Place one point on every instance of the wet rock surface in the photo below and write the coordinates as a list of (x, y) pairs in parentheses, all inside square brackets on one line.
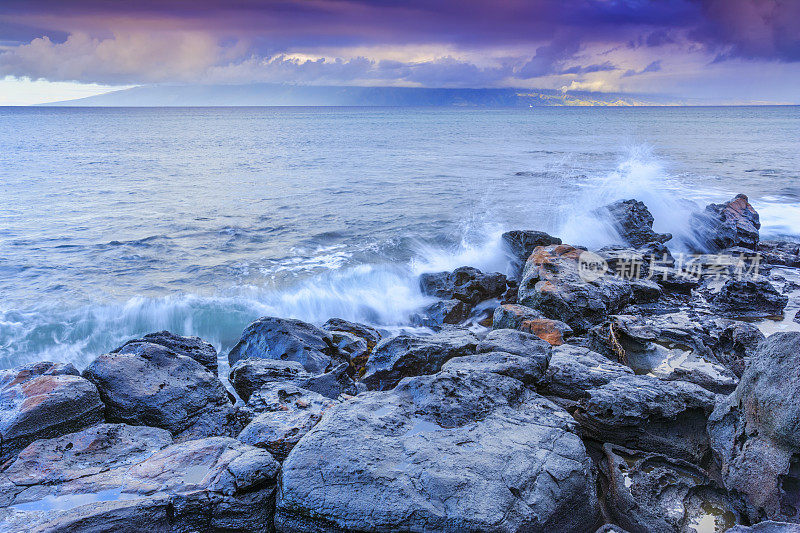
[(552, 284), (150, 385), (733, 223), (464, 284), (754, 433), (520, 245), (633, 221), (194, 347), (575, 370), (44, 400), (749, 297), (406, 355), (286, 340), (282, 414), (115, 477), (648, 414), (453, 451)]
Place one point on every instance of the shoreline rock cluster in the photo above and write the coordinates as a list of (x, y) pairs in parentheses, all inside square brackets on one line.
[(539, 401)]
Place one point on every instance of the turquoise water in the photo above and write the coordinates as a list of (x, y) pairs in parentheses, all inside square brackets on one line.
[(116, 222)]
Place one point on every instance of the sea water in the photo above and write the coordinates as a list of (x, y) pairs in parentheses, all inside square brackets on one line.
[(118, 222)]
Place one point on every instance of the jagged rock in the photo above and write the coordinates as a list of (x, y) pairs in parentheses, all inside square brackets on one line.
[(645, 291), (406, 355), (528, 370), (352, 347), (445, 312), (453, 451), (149, 385), (780, 253), (734, 223), (287, 340), (43, 400), (371, 335), (249, 375), (465, 284), (754, 431), (574, 370), (194, 347), (633, 222), (648, 414), (122, 478), (516, 342), (650, 493), (554, 284), (736, 343), (285, 414), (520, 245), (554, 332), (749, 297)]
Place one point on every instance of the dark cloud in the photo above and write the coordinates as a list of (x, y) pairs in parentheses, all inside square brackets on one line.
[(655, 66), (185, 40)]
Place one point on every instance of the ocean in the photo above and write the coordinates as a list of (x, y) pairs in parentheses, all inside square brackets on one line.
[(115, 222)]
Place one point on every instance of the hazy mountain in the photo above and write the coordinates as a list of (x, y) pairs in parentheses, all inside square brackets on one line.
[(304, 95)]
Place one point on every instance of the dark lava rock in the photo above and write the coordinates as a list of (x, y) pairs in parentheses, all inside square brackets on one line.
[(736, 344), (554, 284), (115, 477), (780, 253), (633, 222), (194, 347), (734, 223), (287, 340), (767, 526), (528, 370), (406, 355), (465, 284), (152, 386), (749, 297), (520, 245), (648, 414), (371, 335), (43, 400), (574, 370), (754, 431), (511, 316), (453, 451), (649, 493), (445, 312), (249, 375), (285, 414)]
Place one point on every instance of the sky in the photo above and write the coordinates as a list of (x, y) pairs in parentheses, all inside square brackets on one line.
[(710, 51)]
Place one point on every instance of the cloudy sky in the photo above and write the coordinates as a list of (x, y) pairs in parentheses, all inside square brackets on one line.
[(725, 51)]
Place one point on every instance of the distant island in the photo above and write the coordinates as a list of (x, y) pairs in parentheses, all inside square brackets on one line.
[(307, 95)]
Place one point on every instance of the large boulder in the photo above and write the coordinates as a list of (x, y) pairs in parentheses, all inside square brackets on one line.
[(736, 342), (648, 414), (249, 375), (453, 451), (520, 245), (555, 283), (755, 432), (194, 347), (519, 343), (149, 385), (575, 370), (525, 369), (633, 222), (115, 477), (750, 297), (408, 355), (465, 284), (371, 335), (733, 223), (43, 400), (287, 340), (284, 413)]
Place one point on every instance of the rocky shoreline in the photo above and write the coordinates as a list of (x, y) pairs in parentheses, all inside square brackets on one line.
[(620, 389)]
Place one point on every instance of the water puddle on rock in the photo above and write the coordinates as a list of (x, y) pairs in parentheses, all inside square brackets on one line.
[(69, 501), (788, 280), (422, 426), (712, 518)]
